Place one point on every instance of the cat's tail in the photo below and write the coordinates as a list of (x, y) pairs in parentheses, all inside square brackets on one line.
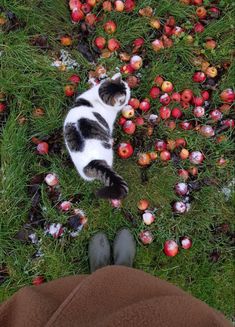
[(116, 187)]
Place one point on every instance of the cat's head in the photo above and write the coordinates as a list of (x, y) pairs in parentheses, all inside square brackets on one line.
[(114, 92)]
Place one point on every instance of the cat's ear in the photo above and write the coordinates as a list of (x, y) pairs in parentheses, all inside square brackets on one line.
[(117, 78)]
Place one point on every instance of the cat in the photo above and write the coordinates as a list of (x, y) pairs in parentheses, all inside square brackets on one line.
[(88, 129)]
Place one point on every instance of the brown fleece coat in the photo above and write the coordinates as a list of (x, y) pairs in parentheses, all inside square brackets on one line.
[(112, 296)]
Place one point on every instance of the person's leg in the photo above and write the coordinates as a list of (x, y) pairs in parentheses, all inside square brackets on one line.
[(124, 248), (99, 251)]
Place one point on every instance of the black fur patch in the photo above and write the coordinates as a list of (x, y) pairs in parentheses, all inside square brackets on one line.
[(90, 129), (101, 119), (82, 102), (73, 138), (106, 145), (116, 187)]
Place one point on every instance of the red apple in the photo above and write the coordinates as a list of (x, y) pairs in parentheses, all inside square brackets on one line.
[(51, 179), (125, 150), (227, 96), (107, 6), (143, 204), (210, 44), (86, 8), (129, 5), (214, 12), (158, 80), (119, 5), (183, 174), (185, 125), (134, 103), (128, 111), (121, 120), (181, 189), (170, 21), (198, 28), (132, 81), (66, 40), (176, 97), (157, 45), (177, 31), (100, 42), (193, 171), (136, 62), (198, 101), (43, 148), (196, 157), (216, 115), (176, 113), (164, 112), (198, 112), (199, 77), (2, 106), (179, 207), (165, 99), (207, 131), (180, 142), (185, 242), (74, 79), (160, 145), (184, 154), (187, 95), (154, 92), (165, 155), (148, 218), (146, 237), (201, 12), (110, 27), (167, 87), (91, 19), (171, 248), (144, 159), (228, 122), (127, 69), (170, 124), (92, 3), (153, 155), (75, 4), (138, 43), (144, 105), (167, 31), (129, 127), (139, 121), (116, 203), (113, 45), (65, 206), (197, 2), (206, 95), (77, 15), (38, 280), (69, 90)]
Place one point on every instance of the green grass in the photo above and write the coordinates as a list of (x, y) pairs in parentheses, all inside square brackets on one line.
[(29, 81)]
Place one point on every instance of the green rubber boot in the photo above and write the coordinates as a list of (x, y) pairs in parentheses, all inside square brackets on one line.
[(124, 248), (99, 251)]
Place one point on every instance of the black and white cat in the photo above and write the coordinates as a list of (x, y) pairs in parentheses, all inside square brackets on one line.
[(88, 131)]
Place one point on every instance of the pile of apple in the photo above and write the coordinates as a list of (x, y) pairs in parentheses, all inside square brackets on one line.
[(171, 247)]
